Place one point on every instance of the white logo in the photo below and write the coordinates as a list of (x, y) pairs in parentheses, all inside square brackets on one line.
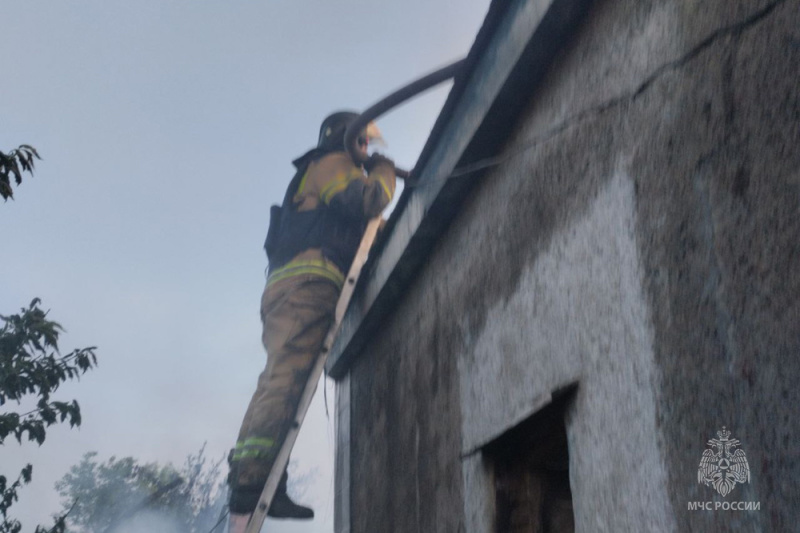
[(721, 466)]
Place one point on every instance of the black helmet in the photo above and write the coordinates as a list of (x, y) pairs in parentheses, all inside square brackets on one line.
[(331, 131)]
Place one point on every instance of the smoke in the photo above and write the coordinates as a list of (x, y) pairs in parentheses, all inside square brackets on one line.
[(120, 495), (151, 522), (166, 521)]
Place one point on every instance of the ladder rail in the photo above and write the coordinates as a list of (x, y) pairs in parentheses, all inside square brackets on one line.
[(282, 459)]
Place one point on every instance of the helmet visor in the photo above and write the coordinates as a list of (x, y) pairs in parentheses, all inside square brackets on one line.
[(371, 135)]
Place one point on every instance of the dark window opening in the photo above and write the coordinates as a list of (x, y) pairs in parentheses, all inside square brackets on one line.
[(531, 474)]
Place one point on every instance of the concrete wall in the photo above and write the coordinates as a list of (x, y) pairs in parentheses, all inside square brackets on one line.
[(642, 240)]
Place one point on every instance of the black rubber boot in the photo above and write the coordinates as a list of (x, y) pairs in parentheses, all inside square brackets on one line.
[(283, 507)]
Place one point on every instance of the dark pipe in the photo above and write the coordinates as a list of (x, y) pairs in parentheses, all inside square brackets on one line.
[(394, 99)]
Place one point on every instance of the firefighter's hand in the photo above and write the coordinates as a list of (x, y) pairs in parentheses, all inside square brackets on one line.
[(375, 160)]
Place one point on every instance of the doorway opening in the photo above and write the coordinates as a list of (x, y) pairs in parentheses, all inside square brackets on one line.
[(531, 473)]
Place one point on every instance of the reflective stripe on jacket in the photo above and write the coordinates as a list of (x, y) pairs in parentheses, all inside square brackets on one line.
[(300, 266)]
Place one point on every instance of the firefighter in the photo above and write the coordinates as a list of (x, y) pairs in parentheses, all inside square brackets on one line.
[(311, 242)]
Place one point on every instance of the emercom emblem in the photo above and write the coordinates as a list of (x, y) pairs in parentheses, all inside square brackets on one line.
[(724, 464)]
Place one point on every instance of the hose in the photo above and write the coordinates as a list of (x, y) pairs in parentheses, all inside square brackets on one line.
[(394, 99)]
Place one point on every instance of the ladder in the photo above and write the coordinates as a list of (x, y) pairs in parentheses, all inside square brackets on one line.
[(282, 459)]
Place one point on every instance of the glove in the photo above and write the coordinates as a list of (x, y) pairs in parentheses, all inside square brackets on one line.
[(375, 160)]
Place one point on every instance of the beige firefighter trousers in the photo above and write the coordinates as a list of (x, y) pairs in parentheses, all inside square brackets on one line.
[(296, 314)]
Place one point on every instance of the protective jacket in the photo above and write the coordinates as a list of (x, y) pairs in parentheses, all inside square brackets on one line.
[(318, 228)]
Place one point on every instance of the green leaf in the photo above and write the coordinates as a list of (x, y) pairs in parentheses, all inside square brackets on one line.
[(27, 473)]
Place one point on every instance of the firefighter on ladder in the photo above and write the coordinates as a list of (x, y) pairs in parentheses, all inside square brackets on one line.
[(311, 242)]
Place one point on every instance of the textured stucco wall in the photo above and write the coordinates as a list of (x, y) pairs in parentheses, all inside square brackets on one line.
[(644, 240), (578, 314), (405, 424)]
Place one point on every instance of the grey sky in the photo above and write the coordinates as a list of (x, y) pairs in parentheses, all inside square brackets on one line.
[(167, 129)]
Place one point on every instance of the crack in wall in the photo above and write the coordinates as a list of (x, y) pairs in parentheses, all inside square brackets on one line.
[(735, 30)]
